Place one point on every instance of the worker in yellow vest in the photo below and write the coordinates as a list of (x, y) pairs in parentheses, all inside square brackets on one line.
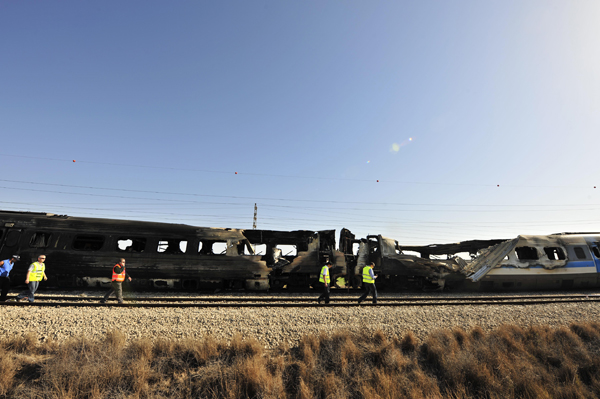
[(118, 276), (35, 274), (325, 280), (369, 277)]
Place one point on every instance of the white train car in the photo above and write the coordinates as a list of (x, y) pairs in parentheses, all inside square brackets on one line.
[(552, 262)]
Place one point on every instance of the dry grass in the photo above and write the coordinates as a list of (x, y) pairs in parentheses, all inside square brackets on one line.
[(510, 362)]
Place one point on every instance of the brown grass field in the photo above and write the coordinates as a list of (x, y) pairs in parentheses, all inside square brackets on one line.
[(510, 362)]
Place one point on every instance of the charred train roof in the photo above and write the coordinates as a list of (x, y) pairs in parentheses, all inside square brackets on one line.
[(43, 221), (454, 248), (97, 225)]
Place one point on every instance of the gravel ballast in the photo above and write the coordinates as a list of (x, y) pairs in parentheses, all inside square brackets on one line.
[(273, 326)]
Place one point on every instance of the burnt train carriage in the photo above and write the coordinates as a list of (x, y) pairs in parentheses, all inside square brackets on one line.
[(398, 270), (82, 251), (295, 257), (556, 261)]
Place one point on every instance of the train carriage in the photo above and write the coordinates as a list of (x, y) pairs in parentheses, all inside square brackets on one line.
[(81, 252)]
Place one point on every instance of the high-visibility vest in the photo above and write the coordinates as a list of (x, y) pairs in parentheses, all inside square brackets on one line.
[(118, 276), (367, 276), (325, 274), (37, 274)]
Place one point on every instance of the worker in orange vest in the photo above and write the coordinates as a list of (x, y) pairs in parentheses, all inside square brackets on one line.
[(118, 276)]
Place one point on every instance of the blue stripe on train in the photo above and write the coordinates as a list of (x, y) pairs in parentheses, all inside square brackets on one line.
[(579, 263)]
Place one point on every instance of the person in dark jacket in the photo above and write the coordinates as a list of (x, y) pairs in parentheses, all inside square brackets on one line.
[(118, 276)]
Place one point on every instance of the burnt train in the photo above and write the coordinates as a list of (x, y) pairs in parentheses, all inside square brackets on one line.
[(81, 251)]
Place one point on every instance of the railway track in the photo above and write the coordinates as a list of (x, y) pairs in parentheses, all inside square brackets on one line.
[(302, 302)]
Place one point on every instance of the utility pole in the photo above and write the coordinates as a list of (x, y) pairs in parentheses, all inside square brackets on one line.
[(255, 212)]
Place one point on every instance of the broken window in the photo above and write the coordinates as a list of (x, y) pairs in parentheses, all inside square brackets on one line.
[(579, 252), (210, 247), (555, 253), (259, 249), (131, 244), (88, 242), (463, 255), (40, 240), (596, 252), (205, 247), (288, 250), (526, 253), (219, 248), (171, 246)]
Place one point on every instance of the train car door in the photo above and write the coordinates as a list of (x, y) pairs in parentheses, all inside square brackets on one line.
[(595, 248)]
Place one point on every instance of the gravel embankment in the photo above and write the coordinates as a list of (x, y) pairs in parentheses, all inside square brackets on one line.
[(273, 326)]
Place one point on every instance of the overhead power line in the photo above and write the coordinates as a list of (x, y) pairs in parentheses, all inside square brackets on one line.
[(247, 198), (241, 173)]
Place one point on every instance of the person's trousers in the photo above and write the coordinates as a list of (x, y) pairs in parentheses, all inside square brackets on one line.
[(33, 286), (325, 295), (369, 289), (116, 288), (4, 286)]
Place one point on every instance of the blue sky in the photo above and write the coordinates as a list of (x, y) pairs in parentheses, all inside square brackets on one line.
[(428, 122)]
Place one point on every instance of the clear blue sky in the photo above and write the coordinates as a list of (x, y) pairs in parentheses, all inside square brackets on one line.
[(480, 119)]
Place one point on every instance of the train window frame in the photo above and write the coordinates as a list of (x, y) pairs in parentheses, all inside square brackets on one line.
[(526, 253), (259, 249), (88, 242), (596, 252), (140, 244), (40, 239), (555, 253), (288, 250), (12, 238), (164, 246), (219, 245), (579, 253)]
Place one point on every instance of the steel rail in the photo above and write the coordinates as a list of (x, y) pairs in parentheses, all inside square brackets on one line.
[(334, 298), (141, 304)]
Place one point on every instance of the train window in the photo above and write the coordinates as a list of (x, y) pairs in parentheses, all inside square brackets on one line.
[(526, 253), (288, 250), (219, 248), (172, 246), (596, 251), (555, 253), (579, 253), (131, 244), (40, 240), (205, 247), (88, 242), (259, 249), (12, 238)]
